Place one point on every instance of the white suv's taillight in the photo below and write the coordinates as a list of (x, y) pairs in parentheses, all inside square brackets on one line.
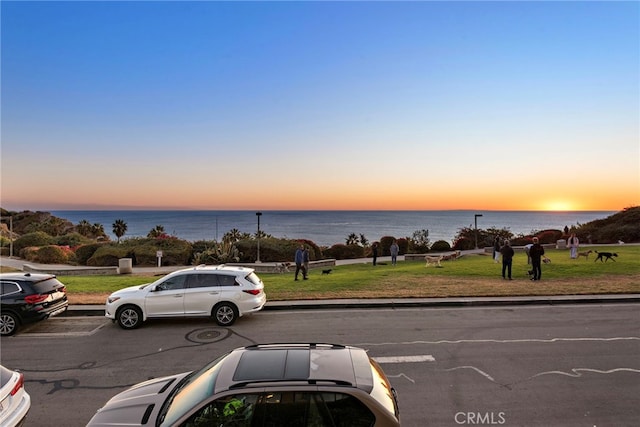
[(18, 386), (252, 291)]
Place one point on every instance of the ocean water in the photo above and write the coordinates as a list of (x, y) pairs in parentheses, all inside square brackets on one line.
[(327, 228)]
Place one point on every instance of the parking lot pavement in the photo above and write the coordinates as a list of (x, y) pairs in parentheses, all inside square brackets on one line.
[(64, 326)]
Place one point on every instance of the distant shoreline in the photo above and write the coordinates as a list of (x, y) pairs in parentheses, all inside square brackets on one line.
[(327, 228)]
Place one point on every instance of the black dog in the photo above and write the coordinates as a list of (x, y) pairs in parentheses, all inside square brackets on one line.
[(605, 256), (326, 271)]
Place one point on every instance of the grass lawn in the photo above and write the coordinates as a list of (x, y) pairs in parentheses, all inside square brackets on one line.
[(470, 275)]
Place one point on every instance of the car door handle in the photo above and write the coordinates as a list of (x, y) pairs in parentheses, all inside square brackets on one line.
[(214, 293), (178, 296)]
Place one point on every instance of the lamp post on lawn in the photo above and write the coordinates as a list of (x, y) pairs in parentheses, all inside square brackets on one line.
[(258, 214), (475, 219)]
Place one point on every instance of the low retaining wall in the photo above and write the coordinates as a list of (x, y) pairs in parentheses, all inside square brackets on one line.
[(274, 267), (420, 257), (71, 271)]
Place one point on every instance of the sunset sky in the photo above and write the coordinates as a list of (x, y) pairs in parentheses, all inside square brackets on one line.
[(320, 105)]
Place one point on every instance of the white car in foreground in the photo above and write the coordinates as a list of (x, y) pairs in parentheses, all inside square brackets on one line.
[(222, 292), (15, 402)]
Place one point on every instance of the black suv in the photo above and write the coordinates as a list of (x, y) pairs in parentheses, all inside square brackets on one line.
[(294, 384), (29, 297)]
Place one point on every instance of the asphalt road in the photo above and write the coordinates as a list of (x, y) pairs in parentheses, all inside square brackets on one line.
[(566, 365)]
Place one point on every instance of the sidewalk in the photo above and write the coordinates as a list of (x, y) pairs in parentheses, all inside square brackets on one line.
[(341, 304)]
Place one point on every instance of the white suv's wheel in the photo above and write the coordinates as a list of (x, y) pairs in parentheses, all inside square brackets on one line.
[(225, 314), (129, 317)]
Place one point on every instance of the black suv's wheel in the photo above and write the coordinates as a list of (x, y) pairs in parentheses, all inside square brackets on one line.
[(129, 317), (225, 314), (9, 323)]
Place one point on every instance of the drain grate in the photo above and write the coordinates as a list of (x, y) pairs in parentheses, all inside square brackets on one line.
[(208, 335)]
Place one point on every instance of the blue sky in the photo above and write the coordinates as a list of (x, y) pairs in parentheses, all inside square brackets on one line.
[(320, 105)]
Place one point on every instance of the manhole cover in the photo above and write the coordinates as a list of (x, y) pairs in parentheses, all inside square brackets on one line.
[(207, 335)]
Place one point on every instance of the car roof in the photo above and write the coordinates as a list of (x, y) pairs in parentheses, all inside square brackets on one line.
[(296, 363), (27, 277), (217, 268)]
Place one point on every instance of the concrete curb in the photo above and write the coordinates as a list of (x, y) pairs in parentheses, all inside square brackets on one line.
[(342, 304)]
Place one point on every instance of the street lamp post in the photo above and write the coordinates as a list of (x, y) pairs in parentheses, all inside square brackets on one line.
[(475, 219), (258, 214)]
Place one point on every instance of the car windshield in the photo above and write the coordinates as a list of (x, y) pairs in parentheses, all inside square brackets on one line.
[(194, 388)]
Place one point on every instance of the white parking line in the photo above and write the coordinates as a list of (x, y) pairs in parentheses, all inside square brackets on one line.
[(405, 359)]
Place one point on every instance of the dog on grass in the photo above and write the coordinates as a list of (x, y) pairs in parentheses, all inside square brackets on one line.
[(327, 271), (605, 256), (546, 260), (282, 267), (433, 260), (451, 257), (584, 254)]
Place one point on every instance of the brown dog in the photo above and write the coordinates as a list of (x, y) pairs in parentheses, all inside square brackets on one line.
[(584, 254)]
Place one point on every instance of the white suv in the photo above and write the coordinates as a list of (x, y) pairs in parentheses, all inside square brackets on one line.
[(222, 292)]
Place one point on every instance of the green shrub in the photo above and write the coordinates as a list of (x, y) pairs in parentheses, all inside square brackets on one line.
[(385, 244), (521, 241), (52, 254), (143, 250), (463, 244), (84, 252), (549, 236), (275, 250), (29, 253), (72, 239), (403, 245), (341, 251), (419, 242), (623, 225), (37, 238), (107, 256), (203, 245), (440, 246)]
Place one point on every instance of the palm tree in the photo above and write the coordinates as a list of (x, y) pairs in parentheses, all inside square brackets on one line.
[(84, 228), (156, 232), (119, 228), (352, 239), (232, 236), (97, 230)]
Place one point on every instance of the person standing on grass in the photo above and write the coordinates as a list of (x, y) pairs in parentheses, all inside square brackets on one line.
[(394, 249), (536, 253), (305, 263), (507, 253), (496, 249), (527, 248), (299, 260), (573, 244), (374, 252)]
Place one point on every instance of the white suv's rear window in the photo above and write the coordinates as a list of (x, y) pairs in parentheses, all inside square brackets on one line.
[(382, 389), (253, 278)]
